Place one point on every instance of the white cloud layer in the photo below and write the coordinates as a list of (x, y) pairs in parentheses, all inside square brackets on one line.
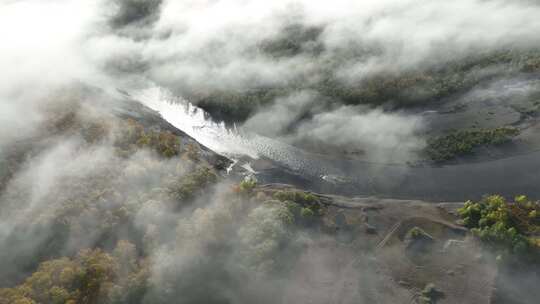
[(196, 46)]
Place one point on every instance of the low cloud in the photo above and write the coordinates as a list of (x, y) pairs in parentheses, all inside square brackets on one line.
[(382, 137), (276, 119), (196, 47), (305, 120)]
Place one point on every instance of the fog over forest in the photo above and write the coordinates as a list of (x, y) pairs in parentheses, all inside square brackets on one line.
[(369, 124)]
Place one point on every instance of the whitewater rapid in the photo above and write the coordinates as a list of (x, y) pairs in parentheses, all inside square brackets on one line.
[(229, 142)]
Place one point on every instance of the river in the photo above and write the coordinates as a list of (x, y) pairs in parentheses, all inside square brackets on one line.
[(508, 176)]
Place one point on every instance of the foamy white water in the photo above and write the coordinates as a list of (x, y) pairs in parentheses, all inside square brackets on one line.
[(194, 122)]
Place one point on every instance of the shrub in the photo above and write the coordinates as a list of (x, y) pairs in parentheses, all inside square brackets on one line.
[(415, 233), (305, 205), (505, 225), (91, 277), (266, 235), (188, 186), (464, 142), (247, 185), (430, 294), (133, 136), (294, 208), (307, 213), (300, 197)]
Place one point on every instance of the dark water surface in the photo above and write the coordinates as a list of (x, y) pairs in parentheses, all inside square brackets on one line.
[(509, 177)]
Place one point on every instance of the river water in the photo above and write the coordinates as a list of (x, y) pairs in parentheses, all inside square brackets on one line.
[(508, 176)]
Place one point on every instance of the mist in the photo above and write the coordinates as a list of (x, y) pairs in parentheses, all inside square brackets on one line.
[(345, 79), (195, 48)]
